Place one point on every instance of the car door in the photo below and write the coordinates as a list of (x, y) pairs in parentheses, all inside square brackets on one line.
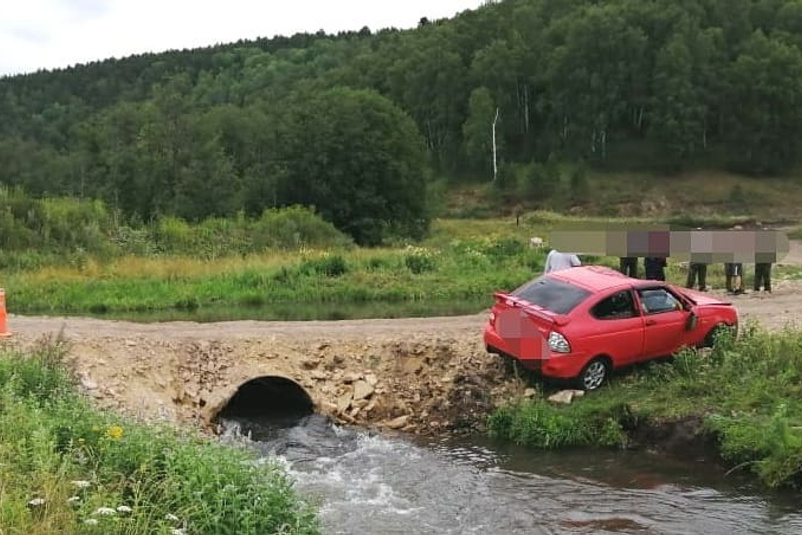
[(617, 328), (664, 321)]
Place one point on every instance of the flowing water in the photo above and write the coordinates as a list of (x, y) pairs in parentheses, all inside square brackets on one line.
[(371, 484)]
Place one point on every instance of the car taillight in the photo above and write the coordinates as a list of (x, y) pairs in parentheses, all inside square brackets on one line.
[(558, 343)]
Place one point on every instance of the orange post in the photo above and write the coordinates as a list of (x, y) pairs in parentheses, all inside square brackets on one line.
[(3, 316)]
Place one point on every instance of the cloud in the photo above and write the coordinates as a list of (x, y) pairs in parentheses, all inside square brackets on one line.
[(57, 33)]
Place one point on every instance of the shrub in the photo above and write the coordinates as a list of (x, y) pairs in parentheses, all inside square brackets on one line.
[(419, 260), (327, 265), (295, 227)]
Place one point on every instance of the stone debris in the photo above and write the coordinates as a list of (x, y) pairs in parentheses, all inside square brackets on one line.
[(362, 390), (566, 396), (398, 423)]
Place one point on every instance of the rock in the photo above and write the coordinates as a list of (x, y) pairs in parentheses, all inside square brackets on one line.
[(328, 406), (362, 390), (351, 377), (412, 365), (398, 423), (88, 383), (371, 379), (359, 403), (530, 393), (310, 364), (319, 375), (343, 402), (563, 396)]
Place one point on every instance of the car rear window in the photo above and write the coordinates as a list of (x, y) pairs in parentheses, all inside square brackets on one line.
[(556, 296)]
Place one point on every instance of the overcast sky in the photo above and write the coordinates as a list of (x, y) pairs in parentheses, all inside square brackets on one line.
[(49, 34)]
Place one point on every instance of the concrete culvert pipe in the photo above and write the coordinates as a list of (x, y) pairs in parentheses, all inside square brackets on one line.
[(270, 398)]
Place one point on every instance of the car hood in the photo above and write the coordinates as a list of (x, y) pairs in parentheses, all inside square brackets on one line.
[(702, 299)]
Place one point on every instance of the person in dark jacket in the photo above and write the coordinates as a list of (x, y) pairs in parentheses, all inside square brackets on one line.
[(763, 276), (697, 270), (629, 266), (655, 268)]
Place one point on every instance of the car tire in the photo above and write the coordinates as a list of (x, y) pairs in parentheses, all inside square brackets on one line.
[(710, 339), (593, 375)]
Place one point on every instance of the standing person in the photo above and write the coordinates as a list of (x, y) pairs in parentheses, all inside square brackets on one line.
[(556, 261), (763, 261), (734, 273), (763, 276), (697, 270), (728, 270), (655, 268), (628, 265)]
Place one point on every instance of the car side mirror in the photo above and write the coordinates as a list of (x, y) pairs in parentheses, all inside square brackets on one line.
[(690, 323)]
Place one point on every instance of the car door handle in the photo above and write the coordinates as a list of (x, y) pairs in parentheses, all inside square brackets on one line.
[(651, 322)]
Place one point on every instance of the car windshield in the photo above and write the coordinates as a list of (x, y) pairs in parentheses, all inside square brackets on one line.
[(556, 296)]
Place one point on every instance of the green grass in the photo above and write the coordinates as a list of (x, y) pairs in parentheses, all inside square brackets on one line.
[(63, 464), (470, 269), (748, 392)]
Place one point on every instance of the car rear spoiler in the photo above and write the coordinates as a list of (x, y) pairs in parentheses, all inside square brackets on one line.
[(530, 309)]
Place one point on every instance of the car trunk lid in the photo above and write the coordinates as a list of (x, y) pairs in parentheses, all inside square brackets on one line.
[(546, 319)]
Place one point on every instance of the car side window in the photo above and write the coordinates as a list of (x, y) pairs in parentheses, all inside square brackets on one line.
[(618, 306), (658, 300)]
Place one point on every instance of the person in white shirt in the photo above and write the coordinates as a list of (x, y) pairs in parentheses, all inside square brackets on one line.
[(556, 261)]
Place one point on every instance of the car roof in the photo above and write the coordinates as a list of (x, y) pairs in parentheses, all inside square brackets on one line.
[(593, 278)]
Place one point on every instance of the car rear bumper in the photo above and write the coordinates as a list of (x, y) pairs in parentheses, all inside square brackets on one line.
[(549, 364)]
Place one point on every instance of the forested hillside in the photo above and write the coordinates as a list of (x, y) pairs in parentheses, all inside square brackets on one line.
[(356, 124)]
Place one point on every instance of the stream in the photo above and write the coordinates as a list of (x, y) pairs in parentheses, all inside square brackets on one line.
[(366, 483)]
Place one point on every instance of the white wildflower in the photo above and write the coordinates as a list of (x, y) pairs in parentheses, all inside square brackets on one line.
[(81, 484), (36, 502), (74, 500), (177, 531), (124, 509), (91, 521), (171, 517), (105, 511)]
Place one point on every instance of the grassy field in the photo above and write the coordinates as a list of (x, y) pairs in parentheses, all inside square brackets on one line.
[(748, 393), (67, 468)]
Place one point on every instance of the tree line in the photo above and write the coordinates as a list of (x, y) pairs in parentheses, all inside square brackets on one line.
[(354, 124)]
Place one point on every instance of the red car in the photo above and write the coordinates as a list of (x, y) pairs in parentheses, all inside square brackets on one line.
[(583, 322)]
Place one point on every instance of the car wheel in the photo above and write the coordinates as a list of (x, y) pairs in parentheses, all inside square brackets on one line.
[(594, 374), (721, 328)]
